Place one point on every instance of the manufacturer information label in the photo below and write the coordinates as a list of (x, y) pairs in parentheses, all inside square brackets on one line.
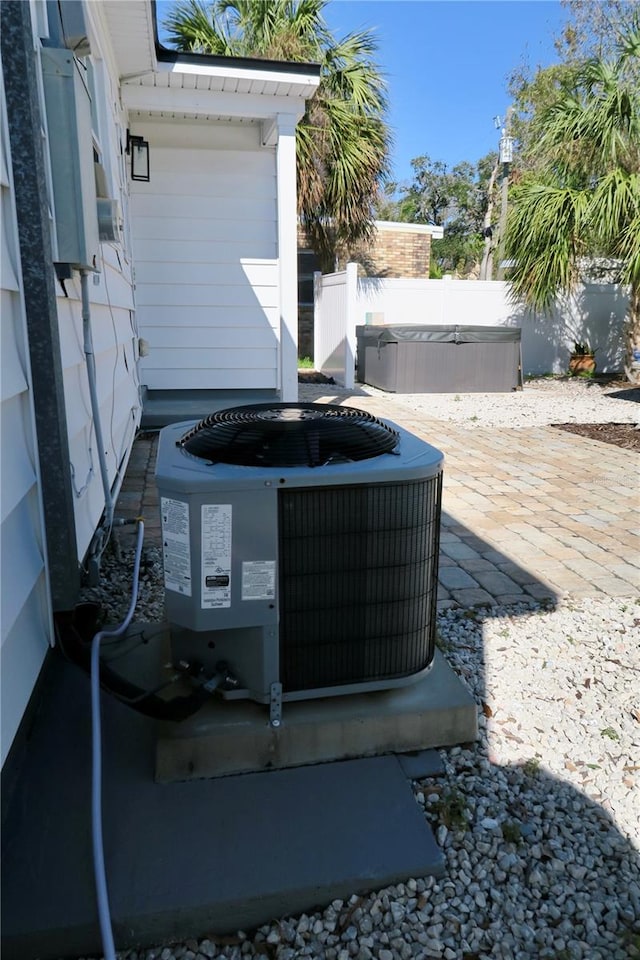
[(258, 580), (175, 545), (216, 555)]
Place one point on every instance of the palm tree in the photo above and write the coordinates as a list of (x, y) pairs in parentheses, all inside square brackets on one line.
[(342, 141), (580, 202)]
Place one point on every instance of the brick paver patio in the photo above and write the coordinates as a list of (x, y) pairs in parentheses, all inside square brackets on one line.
[(536, 513)]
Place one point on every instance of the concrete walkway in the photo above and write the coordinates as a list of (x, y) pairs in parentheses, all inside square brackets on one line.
[(537, 513)]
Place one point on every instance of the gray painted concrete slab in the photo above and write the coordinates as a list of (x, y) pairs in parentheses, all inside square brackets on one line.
[(233, 737), (185, 859), (421, 763)]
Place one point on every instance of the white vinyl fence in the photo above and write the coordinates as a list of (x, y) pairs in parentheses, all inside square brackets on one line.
[(594, 313), (334, 324)]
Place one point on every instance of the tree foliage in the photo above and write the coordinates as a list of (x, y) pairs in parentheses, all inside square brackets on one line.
[(578, 202), (342, 141), (593, 30), (454, 198)]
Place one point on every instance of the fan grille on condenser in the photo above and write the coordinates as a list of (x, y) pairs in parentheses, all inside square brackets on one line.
[(289, 435)]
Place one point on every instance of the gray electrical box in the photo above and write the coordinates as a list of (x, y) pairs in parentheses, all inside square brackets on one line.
[(68, 105)]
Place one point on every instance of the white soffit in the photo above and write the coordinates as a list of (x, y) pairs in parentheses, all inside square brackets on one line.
[(176, 116), (233, 79), (219, 91), (130, 26)]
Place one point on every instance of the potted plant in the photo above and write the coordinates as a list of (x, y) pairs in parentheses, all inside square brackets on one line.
[(582, 360)]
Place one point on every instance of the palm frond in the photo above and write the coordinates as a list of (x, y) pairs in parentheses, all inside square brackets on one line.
[(583, 199), (625, 243), (545, 228), (614, 203), (192, 26), (342, 141)]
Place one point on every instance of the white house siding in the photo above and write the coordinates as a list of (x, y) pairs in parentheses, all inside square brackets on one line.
[(205, 243), (26, 604), (26, 620), (113, 324), (115, 347)]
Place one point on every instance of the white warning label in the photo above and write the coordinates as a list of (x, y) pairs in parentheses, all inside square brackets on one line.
[(258, 580), (175, 545), (216, 555)]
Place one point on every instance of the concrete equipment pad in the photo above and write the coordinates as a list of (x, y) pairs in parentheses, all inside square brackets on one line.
[(193, 858), (234, 737)]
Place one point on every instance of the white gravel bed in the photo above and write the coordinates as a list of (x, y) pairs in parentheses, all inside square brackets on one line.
[(541, 402), (539, 821)]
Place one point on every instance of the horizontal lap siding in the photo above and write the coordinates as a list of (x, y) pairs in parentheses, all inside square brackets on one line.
[(211, 317), (175, 275), (205, 242), (113, 326), (115, 348), (203, 293), (26, 623), (211, 378), (236, 208), (253, 235), (18, 472), (189, 250), (22, 563), (26, 604), (24, 645)]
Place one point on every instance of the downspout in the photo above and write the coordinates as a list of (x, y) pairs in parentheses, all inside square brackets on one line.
[(95, 410)]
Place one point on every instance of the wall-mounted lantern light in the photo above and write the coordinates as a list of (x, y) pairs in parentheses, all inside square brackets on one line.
[(139, 152)]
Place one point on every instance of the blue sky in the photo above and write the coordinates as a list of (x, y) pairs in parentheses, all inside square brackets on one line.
[(446, 63)]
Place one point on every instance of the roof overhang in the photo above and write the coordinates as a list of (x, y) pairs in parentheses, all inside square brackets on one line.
[(243, 74), (215, 88), (131, 28), (395, 226), (157, 80), (159, 83)]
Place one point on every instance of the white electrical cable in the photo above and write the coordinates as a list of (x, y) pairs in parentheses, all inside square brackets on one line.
[(90, 360), (102, 894)]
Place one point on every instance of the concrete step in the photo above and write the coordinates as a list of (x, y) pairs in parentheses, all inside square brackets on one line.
[(161, 407)]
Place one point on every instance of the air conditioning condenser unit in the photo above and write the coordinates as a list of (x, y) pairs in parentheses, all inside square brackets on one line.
[(300, 550)]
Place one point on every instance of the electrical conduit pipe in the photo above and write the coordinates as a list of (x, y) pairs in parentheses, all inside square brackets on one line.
[(93, 396)]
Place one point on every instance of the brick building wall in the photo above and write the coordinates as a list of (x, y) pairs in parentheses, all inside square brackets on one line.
[(398, 250)]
